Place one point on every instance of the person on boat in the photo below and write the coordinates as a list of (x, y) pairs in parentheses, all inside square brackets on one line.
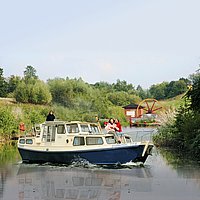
[(111, 126), (119, 131), (118, 125), (50, 116)]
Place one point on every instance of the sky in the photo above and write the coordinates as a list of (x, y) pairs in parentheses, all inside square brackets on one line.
[(143, 42)]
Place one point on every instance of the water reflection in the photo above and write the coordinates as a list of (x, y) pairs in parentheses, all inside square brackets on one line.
[(49, 182), (3, 176), (8, 154), (184, 167)]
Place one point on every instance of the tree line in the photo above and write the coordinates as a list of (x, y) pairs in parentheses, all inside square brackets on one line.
[(68, 92), (81, 100)]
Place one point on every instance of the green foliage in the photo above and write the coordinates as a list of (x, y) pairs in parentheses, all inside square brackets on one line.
[(8, 152), (64, 113), (12, 115), (121, 98), (39, 93), (3, 84), (158, 90), (21, 93), (175, 88), (67, 114), (165, 136), (30, 73), (100, 104), (61, 91), (118, 112), (13, 82), (143, 94), (167, 90), (34, 115), (78, 95), (36, 92), (184, 132), (194, 93), (103, 86), (8, 122), (122, 86)]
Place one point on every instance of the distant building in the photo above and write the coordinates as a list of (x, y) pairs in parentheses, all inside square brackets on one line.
[(133, 111)]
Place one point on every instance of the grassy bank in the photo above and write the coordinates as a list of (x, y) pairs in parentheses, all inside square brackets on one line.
[(13, 113)]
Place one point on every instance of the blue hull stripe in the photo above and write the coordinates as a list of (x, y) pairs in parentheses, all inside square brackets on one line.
[(99, 156)]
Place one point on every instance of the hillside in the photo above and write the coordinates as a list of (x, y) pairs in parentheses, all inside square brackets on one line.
[(172, 103)]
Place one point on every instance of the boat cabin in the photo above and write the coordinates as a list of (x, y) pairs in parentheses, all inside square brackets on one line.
[(58, 133)]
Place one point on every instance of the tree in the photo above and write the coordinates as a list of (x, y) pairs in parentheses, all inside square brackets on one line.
[(194, 92), (13, 82), (143, 94), (121, 98), (62, 91), (21, 93), (3, 84), (36, 92), (183, 133), (175, 88), (122, 86), (39, 93), (105, 86), (30, 73), (7, 122), (158, 90)]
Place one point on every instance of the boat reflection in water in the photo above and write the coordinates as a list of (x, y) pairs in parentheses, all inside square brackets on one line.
[(47, 182)]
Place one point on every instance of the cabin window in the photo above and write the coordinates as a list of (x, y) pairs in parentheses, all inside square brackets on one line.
[(110, 140), (22, 141), (84, 128), (61, 129), (49, 133), (128, 139), (72, 128), (29, 141), (94, 140), (94, 128), (78, 141)]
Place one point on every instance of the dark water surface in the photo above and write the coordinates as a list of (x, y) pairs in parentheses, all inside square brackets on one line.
[(163, 177)]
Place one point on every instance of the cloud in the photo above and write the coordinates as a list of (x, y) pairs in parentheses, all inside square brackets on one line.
[(107, 68)]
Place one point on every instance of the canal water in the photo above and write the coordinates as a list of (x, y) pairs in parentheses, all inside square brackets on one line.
[(164, 176)]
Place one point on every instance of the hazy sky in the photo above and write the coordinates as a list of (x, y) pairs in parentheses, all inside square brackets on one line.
[(141, 41)]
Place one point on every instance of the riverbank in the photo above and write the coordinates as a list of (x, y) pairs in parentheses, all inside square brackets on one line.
[(182, 133)]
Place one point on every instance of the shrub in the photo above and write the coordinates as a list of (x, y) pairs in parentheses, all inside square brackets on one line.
[(8, 122)]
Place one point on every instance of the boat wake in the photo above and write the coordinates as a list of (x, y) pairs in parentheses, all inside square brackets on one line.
[(82, 163), (133, 164)]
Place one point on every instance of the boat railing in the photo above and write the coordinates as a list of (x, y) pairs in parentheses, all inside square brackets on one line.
[(142, 134)]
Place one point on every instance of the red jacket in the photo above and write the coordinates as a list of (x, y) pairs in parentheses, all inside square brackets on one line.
[(119, 127)]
